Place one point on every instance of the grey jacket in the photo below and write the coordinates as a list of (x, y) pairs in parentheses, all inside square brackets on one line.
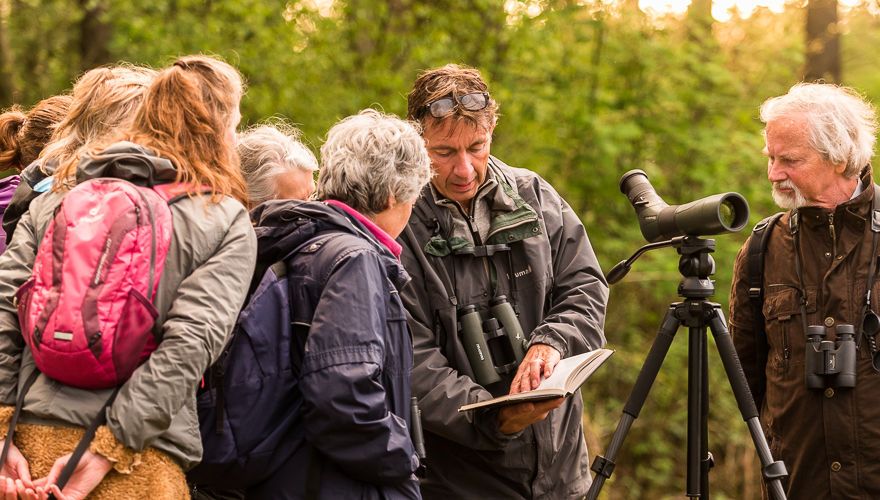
[(207, 273), (560, 293)]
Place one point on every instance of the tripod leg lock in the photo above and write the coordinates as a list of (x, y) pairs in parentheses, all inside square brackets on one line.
[(776, 470), (602, 466)]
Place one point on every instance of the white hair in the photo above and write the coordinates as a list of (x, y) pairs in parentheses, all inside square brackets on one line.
[(842, 123), (370, 157), (267, 151)]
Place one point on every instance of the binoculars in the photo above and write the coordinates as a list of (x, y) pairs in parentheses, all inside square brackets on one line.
[(830, 363), (494, 346)]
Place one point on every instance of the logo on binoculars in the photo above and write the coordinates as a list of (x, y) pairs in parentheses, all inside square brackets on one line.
[(480, 352)]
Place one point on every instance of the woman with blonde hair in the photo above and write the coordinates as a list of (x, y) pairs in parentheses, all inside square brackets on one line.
[(103, 102), (22, 138), (183, 133)]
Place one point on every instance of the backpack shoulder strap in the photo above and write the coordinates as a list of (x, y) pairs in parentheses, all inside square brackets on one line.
[(755, 252), (755, 257), (173, 192)]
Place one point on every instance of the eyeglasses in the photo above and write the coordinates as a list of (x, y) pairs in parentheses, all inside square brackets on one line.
[(445, 106)]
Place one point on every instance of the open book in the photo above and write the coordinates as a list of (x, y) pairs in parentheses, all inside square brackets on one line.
[(567, 377)]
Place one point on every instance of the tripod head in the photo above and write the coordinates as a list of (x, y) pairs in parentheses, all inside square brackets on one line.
[(695, 265)]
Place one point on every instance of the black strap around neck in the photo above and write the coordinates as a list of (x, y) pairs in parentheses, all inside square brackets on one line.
[(872, 265)]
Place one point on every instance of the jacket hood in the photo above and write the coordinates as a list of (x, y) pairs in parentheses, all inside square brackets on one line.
[(129, 161), (284, 225)]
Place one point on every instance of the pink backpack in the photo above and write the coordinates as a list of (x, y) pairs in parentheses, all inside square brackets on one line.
[(87, 311)]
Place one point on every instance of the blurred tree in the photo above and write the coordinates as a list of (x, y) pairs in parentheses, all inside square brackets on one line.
[(823, 42), (7, 85), (95, 34)]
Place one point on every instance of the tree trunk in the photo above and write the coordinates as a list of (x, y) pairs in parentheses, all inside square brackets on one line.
[(94, 35), (823, 42), (7, 86)]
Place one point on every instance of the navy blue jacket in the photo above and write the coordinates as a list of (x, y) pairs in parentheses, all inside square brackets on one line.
[(356, 354)]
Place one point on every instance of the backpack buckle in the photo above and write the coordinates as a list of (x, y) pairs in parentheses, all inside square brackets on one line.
[(755, 293)]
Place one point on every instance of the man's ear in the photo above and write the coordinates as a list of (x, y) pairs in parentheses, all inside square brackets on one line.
[(840, 168)]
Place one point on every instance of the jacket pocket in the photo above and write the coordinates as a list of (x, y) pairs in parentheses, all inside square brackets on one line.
[(782, 315)]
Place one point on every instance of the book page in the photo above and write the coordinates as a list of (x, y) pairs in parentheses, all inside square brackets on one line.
[(567, 376), (563, 371)]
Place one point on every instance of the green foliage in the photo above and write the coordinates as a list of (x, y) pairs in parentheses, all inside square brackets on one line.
[(588, 90)]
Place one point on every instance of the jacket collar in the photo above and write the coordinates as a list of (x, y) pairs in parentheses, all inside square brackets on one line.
[(498, 213), (282, 226), (852, 213), (129, 161)]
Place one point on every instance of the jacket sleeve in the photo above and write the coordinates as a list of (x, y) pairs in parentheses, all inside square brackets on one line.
[(345, 408), (441, 389), (202, 313), (15, 268), (751, 350), (575, 320)]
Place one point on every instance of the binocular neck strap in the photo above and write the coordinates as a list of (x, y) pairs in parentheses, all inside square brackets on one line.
[(872, 266), (799, 270)]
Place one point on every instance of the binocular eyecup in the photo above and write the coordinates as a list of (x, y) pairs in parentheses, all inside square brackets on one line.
[(494, 346)]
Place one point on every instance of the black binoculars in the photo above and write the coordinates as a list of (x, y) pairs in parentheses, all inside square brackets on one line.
[(830, 363), (494, 346)]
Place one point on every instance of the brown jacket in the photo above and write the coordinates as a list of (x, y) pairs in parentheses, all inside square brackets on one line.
[(829, 440)]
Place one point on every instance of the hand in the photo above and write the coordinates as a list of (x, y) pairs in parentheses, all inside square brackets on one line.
[(89, 473), (538, 362), (29, 492), (515, 418), (15, 470)]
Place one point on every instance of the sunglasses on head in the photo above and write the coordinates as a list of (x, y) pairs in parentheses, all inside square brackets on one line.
[(445, 106)]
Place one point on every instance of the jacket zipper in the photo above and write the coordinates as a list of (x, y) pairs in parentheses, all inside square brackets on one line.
[(833, 234), (786, 347)]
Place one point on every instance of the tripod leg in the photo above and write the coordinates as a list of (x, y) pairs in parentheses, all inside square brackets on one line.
[(603, 466), (699, 458), (773, 472), (707, 461), (697, 389)]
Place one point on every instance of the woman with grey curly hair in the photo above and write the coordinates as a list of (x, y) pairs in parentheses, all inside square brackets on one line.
[(372, 163), (353, 363), (275, 164)]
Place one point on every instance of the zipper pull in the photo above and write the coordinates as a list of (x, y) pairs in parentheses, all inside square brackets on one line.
[(833, 233)]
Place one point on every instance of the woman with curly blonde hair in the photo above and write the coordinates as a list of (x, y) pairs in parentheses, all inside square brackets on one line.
[(184, 132), (103, 102)]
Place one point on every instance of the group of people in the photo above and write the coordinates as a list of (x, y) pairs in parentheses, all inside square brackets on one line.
[(411, 228)]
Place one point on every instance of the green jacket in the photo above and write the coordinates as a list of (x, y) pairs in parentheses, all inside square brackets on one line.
[(207, 273), (560, 294)]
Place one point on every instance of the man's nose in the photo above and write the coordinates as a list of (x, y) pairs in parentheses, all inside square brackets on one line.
[(774, 172), (463, 166)]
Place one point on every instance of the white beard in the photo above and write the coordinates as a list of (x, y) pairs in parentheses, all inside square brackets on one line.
[(788, 201)]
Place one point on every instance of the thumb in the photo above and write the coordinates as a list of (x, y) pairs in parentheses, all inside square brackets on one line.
[(57, 467), (56, 491), (23, 471)]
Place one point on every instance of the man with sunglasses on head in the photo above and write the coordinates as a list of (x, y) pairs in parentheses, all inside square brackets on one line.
[(805, 328), (495, 254)]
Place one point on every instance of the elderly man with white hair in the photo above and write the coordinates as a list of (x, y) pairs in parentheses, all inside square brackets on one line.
[(805, 328)]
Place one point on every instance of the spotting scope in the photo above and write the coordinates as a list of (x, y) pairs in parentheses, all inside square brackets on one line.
[(716, 214)]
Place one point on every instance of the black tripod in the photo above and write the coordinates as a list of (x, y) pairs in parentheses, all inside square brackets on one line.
[(697, 313)]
